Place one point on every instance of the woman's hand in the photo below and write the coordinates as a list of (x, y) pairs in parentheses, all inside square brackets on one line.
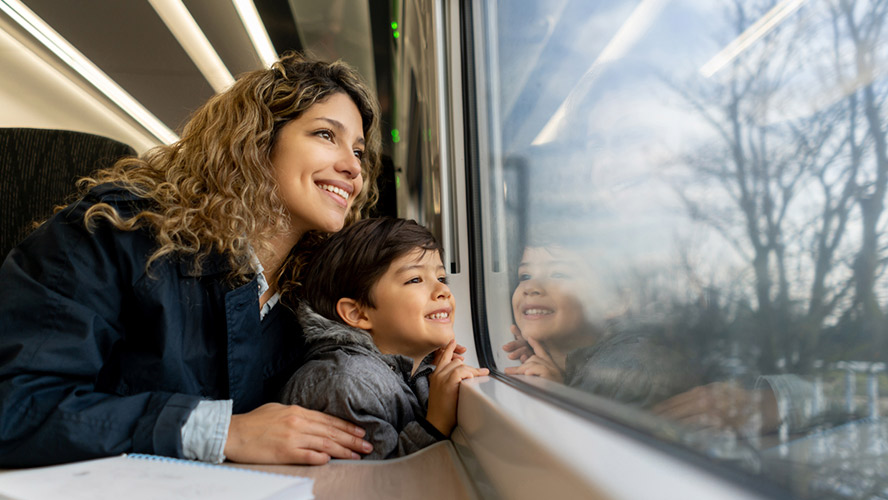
[(519, 348), (444, 387), (721, 405), (289, 434), (540, 364)]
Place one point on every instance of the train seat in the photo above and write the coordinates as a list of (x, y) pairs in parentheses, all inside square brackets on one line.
[(38, 168)]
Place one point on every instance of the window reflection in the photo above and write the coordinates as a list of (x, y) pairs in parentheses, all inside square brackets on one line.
[(695, 213)]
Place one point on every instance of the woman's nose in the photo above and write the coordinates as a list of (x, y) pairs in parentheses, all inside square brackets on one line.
[(350, 165)]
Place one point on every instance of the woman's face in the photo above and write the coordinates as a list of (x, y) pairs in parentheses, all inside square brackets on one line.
[(546, 302), (317, 164)]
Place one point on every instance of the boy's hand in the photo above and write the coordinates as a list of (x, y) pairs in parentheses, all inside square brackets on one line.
[(289, 434), (457, 352), (444, 387), (519, 348), (540, 364)]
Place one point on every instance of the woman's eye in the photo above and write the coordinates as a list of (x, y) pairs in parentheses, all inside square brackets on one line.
[(359, 154), (325, 134)]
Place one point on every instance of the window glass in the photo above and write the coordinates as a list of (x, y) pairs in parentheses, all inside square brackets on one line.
[(683, 211)]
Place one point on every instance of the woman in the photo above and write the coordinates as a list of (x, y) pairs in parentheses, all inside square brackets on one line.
[(143, 317)]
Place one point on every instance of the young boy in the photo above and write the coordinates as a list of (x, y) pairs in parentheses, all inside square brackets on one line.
[(376, 306)]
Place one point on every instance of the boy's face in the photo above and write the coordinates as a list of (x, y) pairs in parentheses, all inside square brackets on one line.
[(414, 308), (546, 302)]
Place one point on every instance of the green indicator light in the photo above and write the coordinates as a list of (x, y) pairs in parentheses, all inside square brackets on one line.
[(394, 25), (396, 34), (396, 136), (397, 181)]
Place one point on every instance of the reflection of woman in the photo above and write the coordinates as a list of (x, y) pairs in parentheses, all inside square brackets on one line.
[(558, 339), (142, 318)]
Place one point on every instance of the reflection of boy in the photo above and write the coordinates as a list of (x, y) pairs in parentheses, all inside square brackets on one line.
[(376, 306), (549, 313), (561, 320)]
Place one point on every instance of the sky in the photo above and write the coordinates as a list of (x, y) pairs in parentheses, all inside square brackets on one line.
[(608, 176)]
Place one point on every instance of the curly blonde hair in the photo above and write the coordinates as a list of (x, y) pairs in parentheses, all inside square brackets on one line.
[(214, 191)]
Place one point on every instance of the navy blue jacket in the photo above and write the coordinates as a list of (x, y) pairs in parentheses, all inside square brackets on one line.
[(99, 357)]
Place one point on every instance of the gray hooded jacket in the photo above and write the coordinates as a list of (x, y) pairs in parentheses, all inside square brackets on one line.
[(345, 375)]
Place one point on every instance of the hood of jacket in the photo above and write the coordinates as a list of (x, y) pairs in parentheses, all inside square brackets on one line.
[(320, 332)]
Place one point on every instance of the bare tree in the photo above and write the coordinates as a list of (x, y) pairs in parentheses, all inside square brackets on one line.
[(861, 25), (794, 184)]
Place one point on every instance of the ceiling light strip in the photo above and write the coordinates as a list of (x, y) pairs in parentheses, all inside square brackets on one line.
[(54, 42), (175, 15), (636, 25), (751, 35), (246, 9)]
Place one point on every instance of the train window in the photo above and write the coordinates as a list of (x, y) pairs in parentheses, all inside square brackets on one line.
[(682, 210)]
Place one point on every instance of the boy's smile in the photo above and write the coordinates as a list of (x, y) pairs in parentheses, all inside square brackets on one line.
[(546, 302), (414, 308)]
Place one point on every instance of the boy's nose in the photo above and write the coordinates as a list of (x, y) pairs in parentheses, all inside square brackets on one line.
[(531, 287)]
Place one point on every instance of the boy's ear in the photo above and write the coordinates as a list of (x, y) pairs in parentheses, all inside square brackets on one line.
[(353, 314)]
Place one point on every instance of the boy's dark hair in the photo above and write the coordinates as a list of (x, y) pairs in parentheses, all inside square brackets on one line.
[(351, 261)]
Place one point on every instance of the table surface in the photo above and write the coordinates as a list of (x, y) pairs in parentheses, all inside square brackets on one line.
[(433, 473)]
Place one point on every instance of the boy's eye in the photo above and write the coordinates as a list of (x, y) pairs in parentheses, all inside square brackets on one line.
[(443, 279), (524, 277), (413, 280), (560, 276)]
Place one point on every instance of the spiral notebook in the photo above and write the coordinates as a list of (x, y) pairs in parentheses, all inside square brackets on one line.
[(137, 477)]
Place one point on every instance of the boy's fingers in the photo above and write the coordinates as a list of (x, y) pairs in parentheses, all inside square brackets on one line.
[(442, 356), (538, 349), (466, 371), (449, 350), (448, 368), (513, 345), (460, 349), (469, 372), (516, 332), (522, 352)]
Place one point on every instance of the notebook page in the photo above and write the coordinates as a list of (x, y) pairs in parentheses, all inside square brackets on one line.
[(156, 478)]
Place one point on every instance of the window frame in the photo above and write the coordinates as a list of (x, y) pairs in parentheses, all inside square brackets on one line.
[(603, 412)]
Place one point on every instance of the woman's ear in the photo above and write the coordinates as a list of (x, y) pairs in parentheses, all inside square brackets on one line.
[(353, 314)]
